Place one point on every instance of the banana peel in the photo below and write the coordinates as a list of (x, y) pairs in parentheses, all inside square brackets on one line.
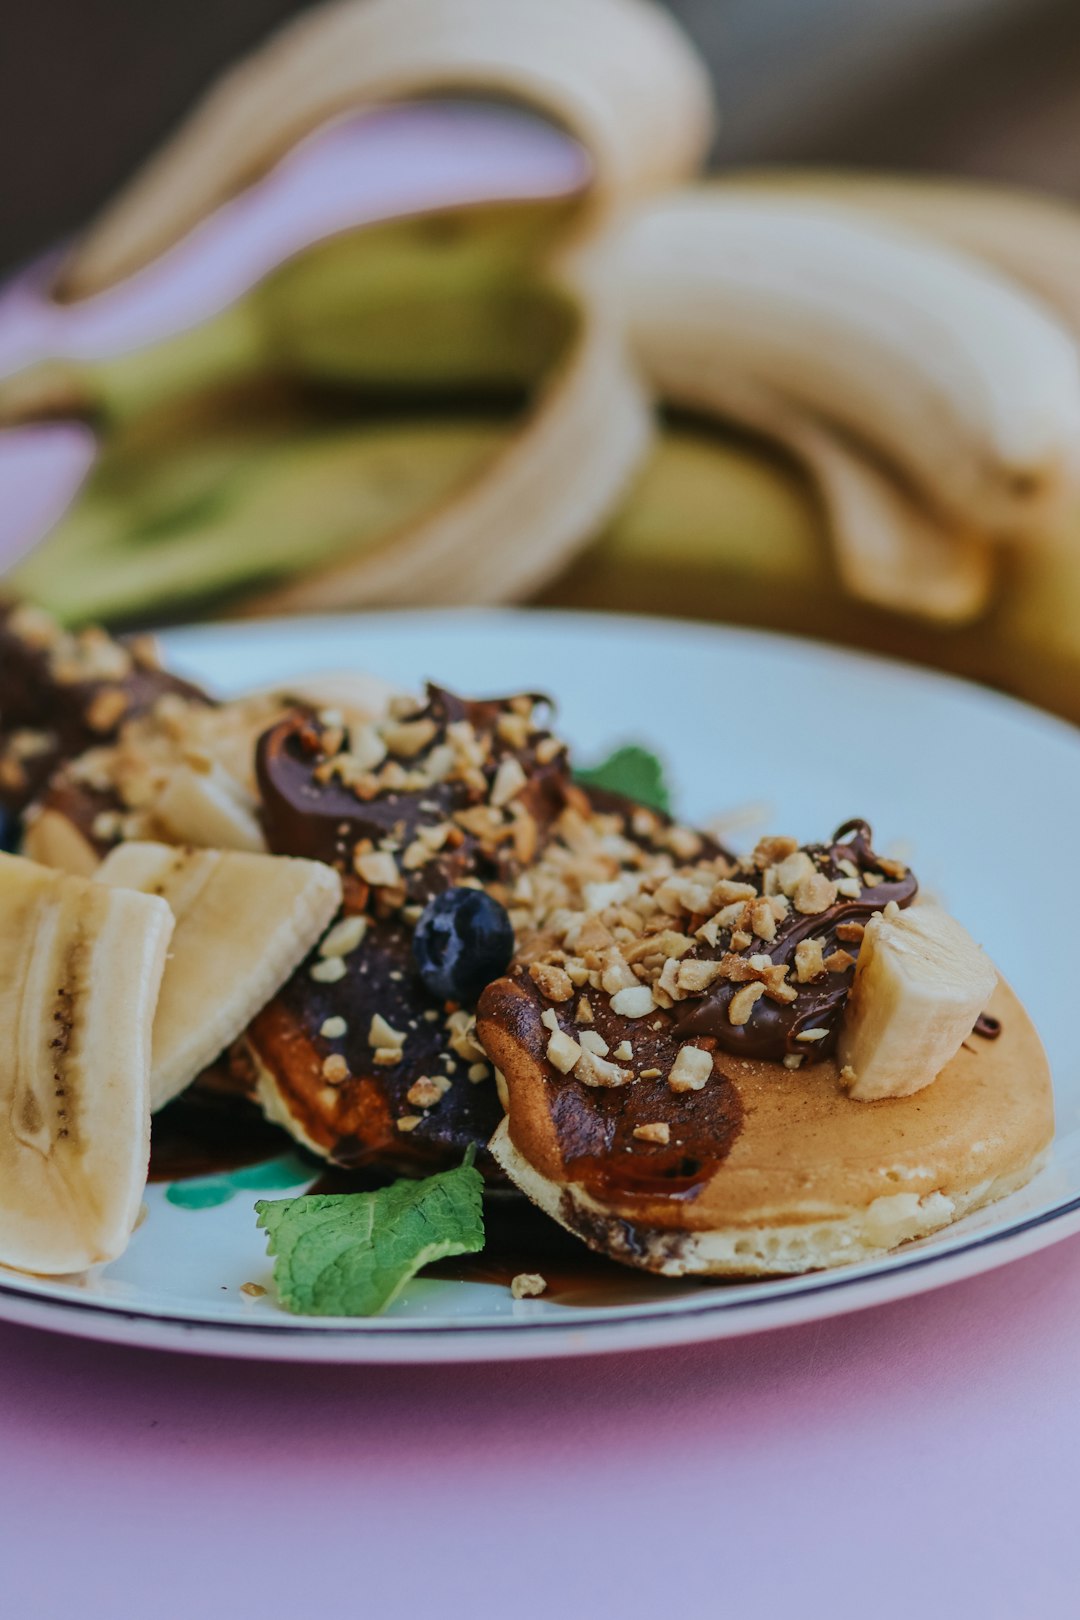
[(470, 301), (618, 74)]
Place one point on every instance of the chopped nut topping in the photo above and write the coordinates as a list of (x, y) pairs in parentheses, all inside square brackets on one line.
[(387, 1057), (461, 1034), (593, 1041), (551, 981), (383, 1034), (563, 1052), (848, 1075), (658, 1132), (624, 1052), (692, 1068), (811, 1035), (333, 1028), (814, 894), (742, 1003), (893, 869), (633, 1003), (377, 868), (335, 1069), (513, 729), (509, 780), (477, 1072), (528, 1285), (548, 749), (597, 1071), (107, 709), (328, 970), (695, 977), (651, 1074), (839, 961), (792, 870), (584, 1014), (852, 932), (344, 937), (794, 1060), (409, 1122), (107, 825), (740, 939), (683, 842), (872, 879), (771, 851), (427, 1090), (849, 887), (411, 737), (762, 920), (809, 960)]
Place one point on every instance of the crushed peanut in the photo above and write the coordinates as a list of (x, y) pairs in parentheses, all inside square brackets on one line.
[(742, 1003), (691, 1069)]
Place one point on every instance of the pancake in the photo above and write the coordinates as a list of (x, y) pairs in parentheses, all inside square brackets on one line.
[(389, 1113), (766, 1166), (61, 694)]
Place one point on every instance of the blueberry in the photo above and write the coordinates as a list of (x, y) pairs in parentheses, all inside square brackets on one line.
[(462, 942)]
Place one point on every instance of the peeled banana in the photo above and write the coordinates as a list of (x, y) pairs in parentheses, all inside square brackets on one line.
[(243, 923), (77, 996), (1033, 239), (938, 365), (920, 984), (618, 74)]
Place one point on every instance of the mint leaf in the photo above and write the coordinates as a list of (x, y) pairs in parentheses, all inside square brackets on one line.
[(634, 772), (350, 1254)]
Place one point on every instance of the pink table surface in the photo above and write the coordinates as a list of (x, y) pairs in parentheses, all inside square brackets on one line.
[(921, 1459)]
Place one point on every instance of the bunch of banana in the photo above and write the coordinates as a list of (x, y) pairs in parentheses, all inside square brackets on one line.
[(451, 407)]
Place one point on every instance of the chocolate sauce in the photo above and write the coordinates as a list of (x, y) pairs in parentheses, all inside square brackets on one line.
[(308, 812), (773, 1028), (198, 1136)]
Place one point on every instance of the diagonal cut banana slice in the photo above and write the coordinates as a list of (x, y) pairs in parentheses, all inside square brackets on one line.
[(210, 809), (920, 984), (952, 375), (618, 74), (243, 923), (79, 983)]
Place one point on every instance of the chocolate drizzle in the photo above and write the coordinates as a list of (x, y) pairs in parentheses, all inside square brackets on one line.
[(773, 1028), (325, 819)]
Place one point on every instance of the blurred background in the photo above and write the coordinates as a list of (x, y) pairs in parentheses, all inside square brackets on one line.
[(981, 87), (352, 359)]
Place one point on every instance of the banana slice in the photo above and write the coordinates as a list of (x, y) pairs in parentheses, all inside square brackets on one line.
[(243, 923), (81, 968), (920, 985), (360, 698), (209, 809)]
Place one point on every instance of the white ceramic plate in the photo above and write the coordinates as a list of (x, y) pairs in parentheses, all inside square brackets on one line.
[(958, 780)]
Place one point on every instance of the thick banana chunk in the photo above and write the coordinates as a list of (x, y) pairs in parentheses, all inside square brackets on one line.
[(243, 923), (920, 985), (209, 809), (80, 970)]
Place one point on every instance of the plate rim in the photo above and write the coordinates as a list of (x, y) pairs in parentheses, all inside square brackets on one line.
[(523, 1336)]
